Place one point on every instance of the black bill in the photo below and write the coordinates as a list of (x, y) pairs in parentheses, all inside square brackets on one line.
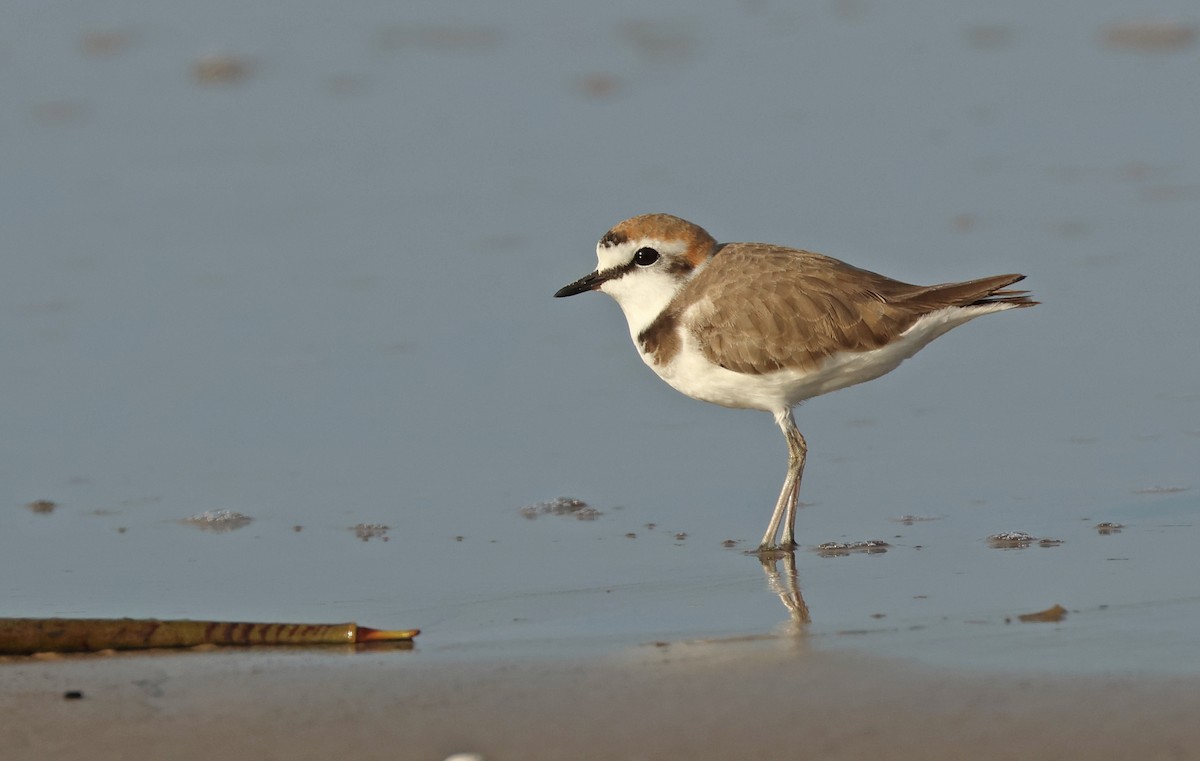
[(586, 283)]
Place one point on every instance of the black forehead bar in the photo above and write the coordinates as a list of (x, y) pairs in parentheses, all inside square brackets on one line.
[(612, 238)]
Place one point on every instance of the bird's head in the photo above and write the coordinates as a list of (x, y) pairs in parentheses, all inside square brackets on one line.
[(643, 262)]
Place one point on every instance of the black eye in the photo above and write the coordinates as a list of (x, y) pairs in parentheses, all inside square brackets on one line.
[(645, 257)]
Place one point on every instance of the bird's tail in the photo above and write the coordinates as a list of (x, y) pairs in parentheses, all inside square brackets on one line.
[(981, 292)]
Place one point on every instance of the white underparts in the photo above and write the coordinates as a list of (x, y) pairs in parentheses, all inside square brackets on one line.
[(691, 373)]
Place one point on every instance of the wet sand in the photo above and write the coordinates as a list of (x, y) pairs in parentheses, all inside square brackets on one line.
[(751, 699)]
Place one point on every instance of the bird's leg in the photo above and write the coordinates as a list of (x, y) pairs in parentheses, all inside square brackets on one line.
[(797, 453), (768, 540), (785, 506)]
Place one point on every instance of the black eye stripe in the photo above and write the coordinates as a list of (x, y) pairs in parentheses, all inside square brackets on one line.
[(670, 265)]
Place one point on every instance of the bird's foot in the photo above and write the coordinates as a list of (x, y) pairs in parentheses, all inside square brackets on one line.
[(772, 549)]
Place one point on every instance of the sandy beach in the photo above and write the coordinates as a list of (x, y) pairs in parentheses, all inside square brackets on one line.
[(767, 699)]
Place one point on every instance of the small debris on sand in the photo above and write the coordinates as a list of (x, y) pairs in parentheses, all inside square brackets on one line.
[(1050, 615), (218, 521), (1019, 540), (909, 520), (369, 531), (597, 84), (841, 549), (1150, 36), (576, 508), (1007, 540), (220, 69), (105, 42), (1162, 490)]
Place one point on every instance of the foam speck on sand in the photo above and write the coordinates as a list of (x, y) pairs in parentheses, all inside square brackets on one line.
[(570, 506), (369, 531), (1019, 540), (841, 549), (218, 521)]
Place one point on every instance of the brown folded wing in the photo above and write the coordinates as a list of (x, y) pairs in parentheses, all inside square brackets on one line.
[(760, 308)]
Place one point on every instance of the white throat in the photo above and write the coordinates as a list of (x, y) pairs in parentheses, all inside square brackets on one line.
[(641, 293), (642, 296)]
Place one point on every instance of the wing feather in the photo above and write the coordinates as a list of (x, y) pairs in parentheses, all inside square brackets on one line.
[(765, 308)]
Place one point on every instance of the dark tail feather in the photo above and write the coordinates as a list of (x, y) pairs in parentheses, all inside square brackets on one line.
[(985, 290)]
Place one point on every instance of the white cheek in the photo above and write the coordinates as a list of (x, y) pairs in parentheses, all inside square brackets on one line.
[(642, 295)]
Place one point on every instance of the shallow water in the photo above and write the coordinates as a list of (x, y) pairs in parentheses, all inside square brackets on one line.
[(319, 296)]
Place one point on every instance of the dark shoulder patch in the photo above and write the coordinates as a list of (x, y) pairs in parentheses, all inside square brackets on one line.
[(660, 339), (678, 265)]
